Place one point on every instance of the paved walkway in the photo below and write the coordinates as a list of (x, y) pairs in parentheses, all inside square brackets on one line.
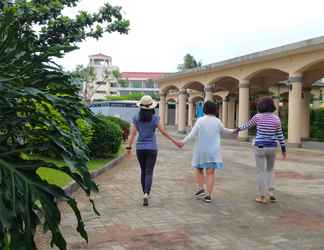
[(175, 220)]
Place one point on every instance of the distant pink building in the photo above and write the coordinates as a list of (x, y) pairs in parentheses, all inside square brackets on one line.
[(137, 82)]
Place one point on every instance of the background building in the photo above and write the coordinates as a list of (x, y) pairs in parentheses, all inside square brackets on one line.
[(137, 82), (105, 80), (103, 76)]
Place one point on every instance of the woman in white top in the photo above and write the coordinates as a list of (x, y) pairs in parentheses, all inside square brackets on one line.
[(207, 151)]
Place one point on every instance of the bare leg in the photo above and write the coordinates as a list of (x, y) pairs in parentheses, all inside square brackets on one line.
[(200, 178), (210, 179)]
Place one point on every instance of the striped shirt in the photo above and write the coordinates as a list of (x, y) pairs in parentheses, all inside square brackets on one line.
[(269, 130)]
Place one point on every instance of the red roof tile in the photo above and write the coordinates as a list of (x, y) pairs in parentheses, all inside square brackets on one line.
[(148, 75)]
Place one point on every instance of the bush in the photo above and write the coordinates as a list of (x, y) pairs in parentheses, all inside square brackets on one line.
[(124, 125), (86, 130), (107, 138), (317, 124)]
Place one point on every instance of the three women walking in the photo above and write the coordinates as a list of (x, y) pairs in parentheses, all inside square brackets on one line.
[(207, 156)]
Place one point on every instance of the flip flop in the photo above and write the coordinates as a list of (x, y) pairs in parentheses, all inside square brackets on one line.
[(261, 200)]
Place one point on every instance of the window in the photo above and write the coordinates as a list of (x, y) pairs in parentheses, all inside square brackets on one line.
[(149, 84), (101, 92), (101, 83), (114, 85), (136, 83)]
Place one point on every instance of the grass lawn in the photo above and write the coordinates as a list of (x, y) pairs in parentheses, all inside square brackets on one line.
[(61, 179)]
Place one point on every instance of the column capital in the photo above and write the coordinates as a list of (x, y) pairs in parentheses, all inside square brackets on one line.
[(295, 79), (162, 94), (182, 92), (244, 84), (208, 89), (226, 98)]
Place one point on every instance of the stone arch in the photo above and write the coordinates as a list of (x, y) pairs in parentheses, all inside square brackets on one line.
[(167, 88), (194, 85), (312, 72), (224, 83), (266, 72)]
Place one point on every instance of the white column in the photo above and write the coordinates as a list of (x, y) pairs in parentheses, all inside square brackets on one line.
[(316, 92), (305, 114), (294, 109), (237, 114), (177, 111), (244, 107), (162, 108), (190, 114), (208, 94), (166, 113), (231, 112), (182, 111), (225, 111), (275, 90), (220, 105)]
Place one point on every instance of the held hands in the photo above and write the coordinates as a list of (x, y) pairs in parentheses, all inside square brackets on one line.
[(179, 144)]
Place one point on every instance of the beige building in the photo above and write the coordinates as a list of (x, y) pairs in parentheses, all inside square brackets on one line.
[(104, 79), (290, 73)]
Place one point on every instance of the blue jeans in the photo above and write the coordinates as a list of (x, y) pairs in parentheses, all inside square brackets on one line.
[(146, 159)]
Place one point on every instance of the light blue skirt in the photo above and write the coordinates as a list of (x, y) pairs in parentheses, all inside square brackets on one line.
[(216, 165)]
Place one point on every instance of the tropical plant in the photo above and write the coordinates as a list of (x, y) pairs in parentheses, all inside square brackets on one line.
[(189, 62), (30, 83)]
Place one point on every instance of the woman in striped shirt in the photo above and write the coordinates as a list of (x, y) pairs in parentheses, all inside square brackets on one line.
[(269, 132)]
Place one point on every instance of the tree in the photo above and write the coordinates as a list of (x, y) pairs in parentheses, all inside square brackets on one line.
[(31, 85), (189, 62)]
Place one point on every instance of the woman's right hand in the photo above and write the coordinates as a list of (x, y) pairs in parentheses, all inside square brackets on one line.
[(179, 144)]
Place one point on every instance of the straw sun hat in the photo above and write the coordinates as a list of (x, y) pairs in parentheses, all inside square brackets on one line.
[(147, 102)]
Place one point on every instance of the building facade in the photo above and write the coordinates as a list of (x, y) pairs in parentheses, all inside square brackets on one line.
[(291, 74), (137, 82), (103, 77)]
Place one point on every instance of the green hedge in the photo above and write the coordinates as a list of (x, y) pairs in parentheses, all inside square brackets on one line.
[(317, 124), (107, 138), (124, 125)]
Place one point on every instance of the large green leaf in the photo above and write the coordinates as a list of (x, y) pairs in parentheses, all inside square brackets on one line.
[(39, 108)]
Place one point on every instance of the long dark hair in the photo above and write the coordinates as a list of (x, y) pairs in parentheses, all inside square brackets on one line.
[(145, 115), (266, 105), (210, 108)]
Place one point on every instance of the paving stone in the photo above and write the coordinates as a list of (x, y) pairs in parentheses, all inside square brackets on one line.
[(175, 220)]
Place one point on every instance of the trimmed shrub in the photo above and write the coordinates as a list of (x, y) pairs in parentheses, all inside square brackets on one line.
[(86, 130), (124, 125), (107, 138), (317, 124)]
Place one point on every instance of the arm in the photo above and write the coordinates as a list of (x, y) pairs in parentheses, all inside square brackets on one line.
[(250, 124), (281, 138), (131, 138), (192, 134), (166, 135), (226, 131)]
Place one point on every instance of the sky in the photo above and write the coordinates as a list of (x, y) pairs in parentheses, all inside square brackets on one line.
[(163, 31)]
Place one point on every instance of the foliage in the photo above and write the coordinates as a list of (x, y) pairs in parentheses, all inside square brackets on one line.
[(61, 179), (189, 62), (131, 97), (124, 125), (107, 138), (86, 130), (30, 83), (317, 124)]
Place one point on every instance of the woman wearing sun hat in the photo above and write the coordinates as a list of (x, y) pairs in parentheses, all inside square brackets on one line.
[(145, 124)]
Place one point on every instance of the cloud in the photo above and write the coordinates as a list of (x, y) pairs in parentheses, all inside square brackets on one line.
[(162, 32)]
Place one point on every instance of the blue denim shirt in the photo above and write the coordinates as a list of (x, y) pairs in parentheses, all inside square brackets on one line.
[(146, 139)]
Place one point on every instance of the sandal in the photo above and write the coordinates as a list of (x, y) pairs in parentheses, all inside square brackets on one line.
[(272, 199), (261, 200)]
